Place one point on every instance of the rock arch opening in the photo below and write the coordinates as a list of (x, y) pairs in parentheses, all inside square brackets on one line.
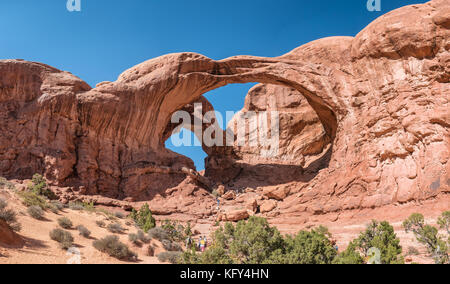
[(303, 144)]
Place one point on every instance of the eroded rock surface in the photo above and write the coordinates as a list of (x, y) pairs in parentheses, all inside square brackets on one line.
[(376, 131)]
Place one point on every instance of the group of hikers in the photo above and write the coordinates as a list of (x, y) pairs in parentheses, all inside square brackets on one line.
[(202, 243)]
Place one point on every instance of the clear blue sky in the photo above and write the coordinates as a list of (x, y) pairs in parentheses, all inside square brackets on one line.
[(110, 36)]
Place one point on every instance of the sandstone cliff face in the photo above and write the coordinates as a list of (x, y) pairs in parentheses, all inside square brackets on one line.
[(382, 100)]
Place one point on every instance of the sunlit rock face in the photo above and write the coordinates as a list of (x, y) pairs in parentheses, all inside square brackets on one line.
[(364, 121)]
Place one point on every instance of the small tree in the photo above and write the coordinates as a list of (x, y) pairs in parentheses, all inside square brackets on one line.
[(444, 221), (377, 238), (429, 236), (143, 218), (248, 242), (312, 247)]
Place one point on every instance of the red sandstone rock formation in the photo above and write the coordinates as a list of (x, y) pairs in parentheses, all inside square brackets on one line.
[(382, 99)]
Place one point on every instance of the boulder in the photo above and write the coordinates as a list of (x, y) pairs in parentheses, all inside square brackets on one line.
[(268, 206)]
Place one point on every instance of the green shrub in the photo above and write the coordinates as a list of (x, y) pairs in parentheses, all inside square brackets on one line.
[(143, 218), (113, 247), (158, 234), (39, 186), (84, 232), (65, 223), (378, 237), (88, 206), (36, 212), (170, 257), (444, 221), (9, 216), (64, 238), (30, 198), (115, 228), (247, 242), (312, 247), (429, 236)]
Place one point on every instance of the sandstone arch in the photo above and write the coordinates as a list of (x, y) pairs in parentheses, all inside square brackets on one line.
[(382, 96)]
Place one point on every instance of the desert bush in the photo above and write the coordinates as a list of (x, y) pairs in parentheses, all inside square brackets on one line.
[(36, 212), (158, 234), (64, 238), (133, 238), (89, 206), (151, 250), (57, 204), (119, 215), (176, 231), (143, 218), (9, 216), (115, 228), (412, 251), (30, 198), (171, 246), (83, 231), (65, 223), (429, 236), (39, 186), (5, 183), (113, 247), (108, 214), (100, 223), (143, 237), (170, 257), (53, 208), (76, 206), (380, 236)]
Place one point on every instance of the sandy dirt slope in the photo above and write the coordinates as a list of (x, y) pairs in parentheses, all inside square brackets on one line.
[(40, 249), (346, 226)]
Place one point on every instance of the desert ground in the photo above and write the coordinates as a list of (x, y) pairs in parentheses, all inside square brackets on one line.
[(38, 248)]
